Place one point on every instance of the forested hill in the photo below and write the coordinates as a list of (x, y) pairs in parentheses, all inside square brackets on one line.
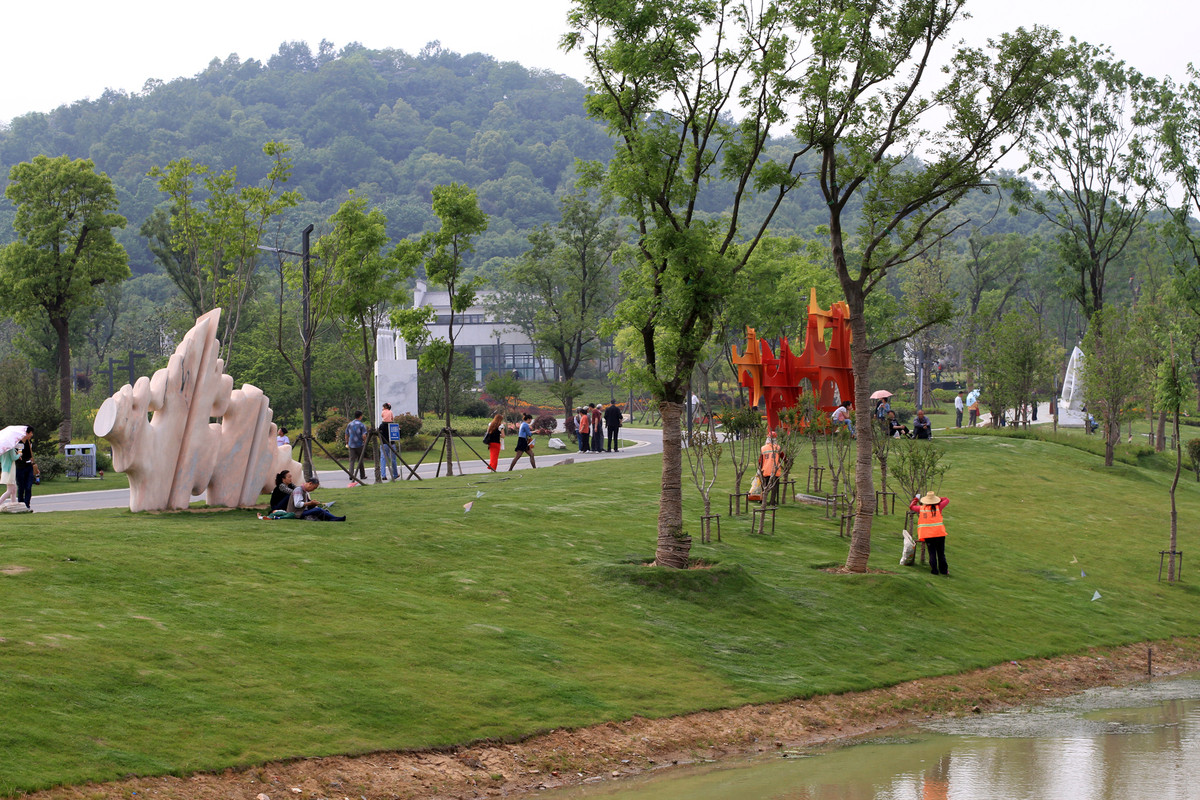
[(384, 123)]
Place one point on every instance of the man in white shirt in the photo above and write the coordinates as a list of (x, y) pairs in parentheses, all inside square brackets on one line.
[(959, 405)]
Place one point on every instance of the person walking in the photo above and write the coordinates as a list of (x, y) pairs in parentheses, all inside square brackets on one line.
[(11, 439), (494, 440), (356, 440), (612, 423), (387, 448), (25, 470), (931, 529), (597, 427), (960, 402), (585, 430), (525, 442), (973, 416)]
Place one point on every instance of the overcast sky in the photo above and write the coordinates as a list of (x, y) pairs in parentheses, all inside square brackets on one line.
[(71, 50)]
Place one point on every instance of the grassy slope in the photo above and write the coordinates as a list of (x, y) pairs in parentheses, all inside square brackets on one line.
[(174, 643)]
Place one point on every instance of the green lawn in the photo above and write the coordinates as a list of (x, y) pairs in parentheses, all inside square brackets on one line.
[(143, 644)]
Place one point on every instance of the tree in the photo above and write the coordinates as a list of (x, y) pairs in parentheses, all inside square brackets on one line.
[(1173, 390), (1095, 145), (564, 286), (667, 77), (65, 250), (861, 115), (214, 255), (442, 252), (367, 279), (1111, 372), (1013, 358)]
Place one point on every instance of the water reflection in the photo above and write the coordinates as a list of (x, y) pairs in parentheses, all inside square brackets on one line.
[(1126, 744)]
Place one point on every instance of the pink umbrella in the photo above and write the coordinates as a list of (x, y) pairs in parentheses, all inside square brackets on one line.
[(879, 395)]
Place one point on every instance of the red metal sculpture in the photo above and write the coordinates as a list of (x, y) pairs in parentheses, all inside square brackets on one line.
[(824, 367)]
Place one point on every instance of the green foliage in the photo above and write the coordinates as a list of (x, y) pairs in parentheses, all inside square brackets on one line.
[(1012, 358), (215, 229), (441, 253), (1094, 143), (410, 424), (330, 429), (917, 465), (367, 281), (1110, 373), (27, 398), (1193, 454), (564, 286), (505, 389), (476, 408)]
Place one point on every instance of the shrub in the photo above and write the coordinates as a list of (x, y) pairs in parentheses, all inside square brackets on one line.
[(410, 425), (51, 467), (1193, 451), (331, 428), (418, 442), (476, 408), (545, 423)]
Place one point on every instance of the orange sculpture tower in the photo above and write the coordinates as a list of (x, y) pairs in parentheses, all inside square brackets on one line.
[(826, 368)]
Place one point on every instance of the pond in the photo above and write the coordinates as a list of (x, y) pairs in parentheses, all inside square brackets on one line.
[(1135, 742)]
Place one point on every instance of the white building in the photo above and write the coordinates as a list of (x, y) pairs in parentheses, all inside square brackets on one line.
[(492, 345)]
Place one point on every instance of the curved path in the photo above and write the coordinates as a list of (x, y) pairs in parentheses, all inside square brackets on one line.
[(647, 441)]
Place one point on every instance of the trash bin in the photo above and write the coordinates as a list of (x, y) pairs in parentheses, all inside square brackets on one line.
[(88, 453)]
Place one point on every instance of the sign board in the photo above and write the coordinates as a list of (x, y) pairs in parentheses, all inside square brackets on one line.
[(393, 429)]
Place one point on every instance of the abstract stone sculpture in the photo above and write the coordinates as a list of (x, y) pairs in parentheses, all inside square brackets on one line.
[(179, 452), (779, 380)]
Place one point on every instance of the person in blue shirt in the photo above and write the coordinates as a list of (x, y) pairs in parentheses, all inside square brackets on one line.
[(524, 443), (356, 440)]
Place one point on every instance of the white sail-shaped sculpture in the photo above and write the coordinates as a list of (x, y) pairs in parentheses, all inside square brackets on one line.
[(179, 452), (1072, 388)]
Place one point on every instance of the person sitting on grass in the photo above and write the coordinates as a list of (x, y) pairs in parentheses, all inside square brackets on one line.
[(922, 427), (303, 506), (283, 490), (895, 427)]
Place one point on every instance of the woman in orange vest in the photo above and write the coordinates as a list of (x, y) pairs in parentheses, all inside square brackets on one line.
[(932, 530)]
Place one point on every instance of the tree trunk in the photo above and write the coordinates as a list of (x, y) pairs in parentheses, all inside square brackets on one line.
[(62, 328), (1174, 513), (1160, 442), (1112, 432), (674, 546), (864, 477)]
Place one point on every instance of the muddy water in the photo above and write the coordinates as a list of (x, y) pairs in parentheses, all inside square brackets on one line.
[(1107, 744)]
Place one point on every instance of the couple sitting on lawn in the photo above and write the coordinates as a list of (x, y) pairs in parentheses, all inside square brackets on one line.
[(291, 502)]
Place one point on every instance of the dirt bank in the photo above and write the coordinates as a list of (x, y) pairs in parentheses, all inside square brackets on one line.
[(616, 749)]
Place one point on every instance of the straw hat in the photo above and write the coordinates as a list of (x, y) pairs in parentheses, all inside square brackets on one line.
[(930, 499)]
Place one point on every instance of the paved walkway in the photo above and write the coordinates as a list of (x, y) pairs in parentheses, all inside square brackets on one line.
[(646, 441)]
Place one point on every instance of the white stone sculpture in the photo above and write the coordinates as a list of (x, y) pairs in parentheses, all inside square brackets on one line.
[(163, 437), (1071, 402), (395, 373)]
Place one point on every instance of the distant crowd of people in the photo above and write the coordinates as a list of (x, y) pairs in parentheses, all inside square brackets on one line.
[(592, 421)]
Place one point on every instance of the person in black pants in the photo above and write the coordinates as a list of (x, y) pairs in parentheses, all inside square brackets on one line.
[(612, 421), (931, 529), (25, 466)]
